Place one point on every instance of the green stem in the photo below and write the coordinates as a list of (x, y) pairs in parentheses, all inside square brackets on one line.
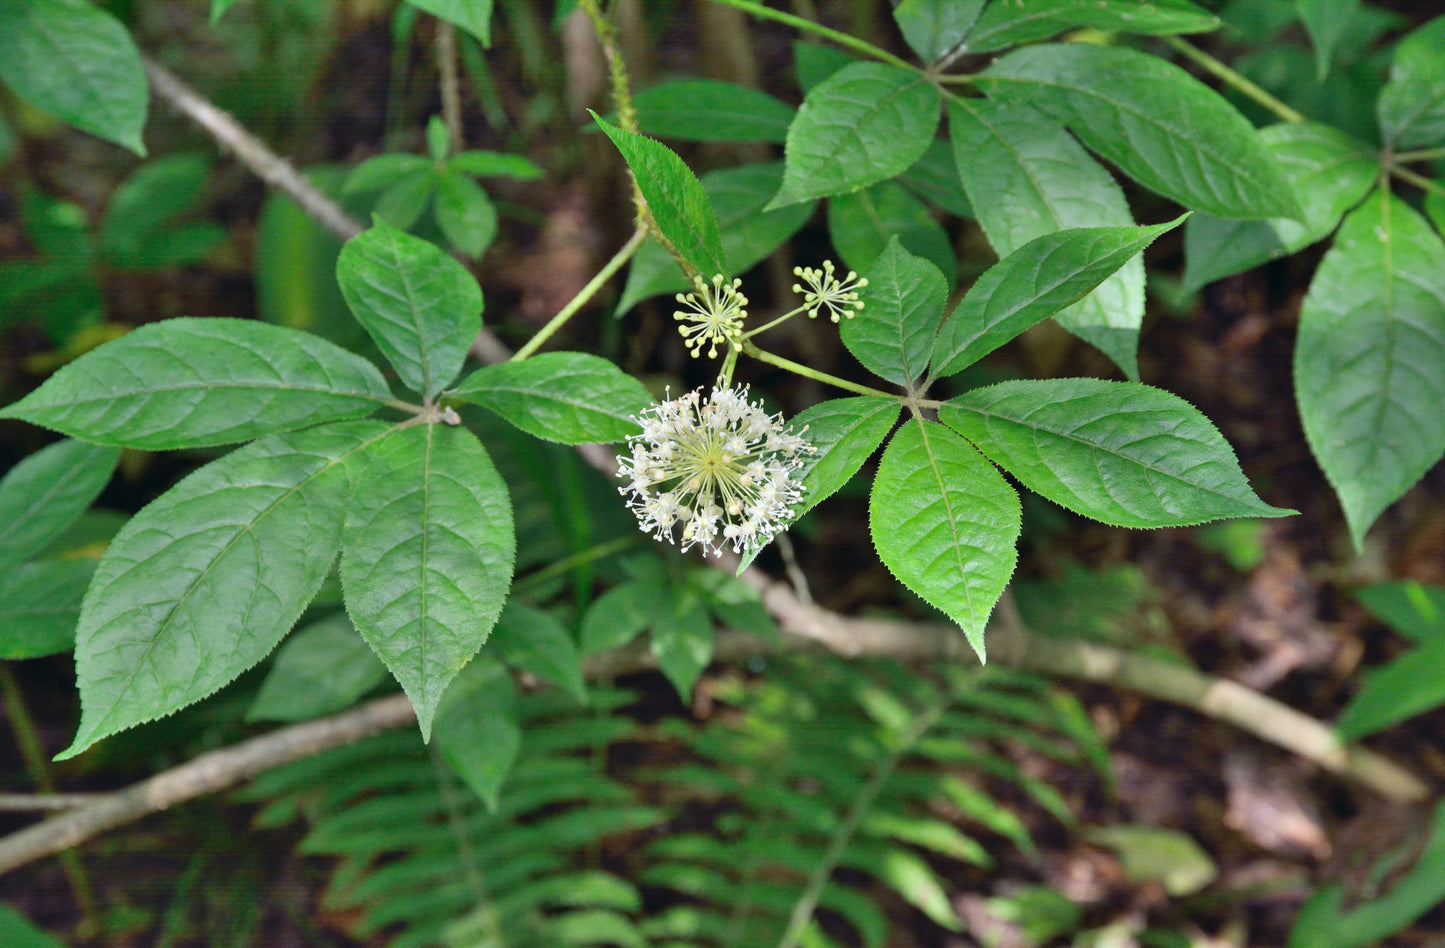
[(1422, 154), (568, 563), (617, 69), (769, 325), (586, 293), (808, 26), (1220, 70), (843, 836), (797, 368), (1418, 180), (33, 753)]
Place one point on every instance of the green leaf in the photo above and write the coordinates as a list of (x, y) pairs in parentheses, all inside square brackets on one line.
[(935, 27), (1397, 691), (1155, 854), (844, 433), (46, 492), (1329, 173), (1160, 125), (893, 334), (675, 197), (815, 62), (1120, 452), (40, 605), (864, 124), (421, 307), (402, 204), (1323, 921), (749, 234), (320, 669), (465, 213), (709, 110), (478, 728), (1051, 184), (1326, 22), (427, 555), (197, 382), (619, 615), (78, 63), (934, 178), (474, 16), (533, 641), (1369, 361), (571, 397), (1032, 283), (494, 164), (382, 171), (154, 196), (682, 638), (17, 931), (1411, 107), (946, 523), (203, 582), (1411, 609), (861, 224), (1024, 21)]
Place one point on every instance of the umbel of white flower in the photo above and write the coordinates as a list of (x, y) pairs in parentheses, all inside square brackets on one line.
[(719, 467)]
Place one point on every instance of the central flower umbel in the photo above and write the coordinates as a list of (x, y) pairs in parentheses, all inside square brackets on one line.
[(720, 467)]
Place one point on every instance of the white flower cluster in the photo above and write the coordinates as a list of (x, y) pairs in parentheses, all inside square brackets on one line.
[(719, 466)]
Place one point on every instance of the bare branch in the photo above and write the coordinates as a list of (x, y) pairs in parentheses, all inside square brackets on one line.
[(251, 152), (212, 771)]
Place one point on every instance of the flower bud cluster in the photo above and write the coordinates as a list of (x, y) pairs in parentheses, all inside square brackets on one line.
[(824, 292), (715, 312), (719, 467)]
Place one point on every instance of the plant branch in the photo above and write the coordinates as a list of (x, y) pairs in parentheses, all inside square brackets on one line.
[(1229, 76), (251, 152), (797, 368), (806, 627), (808, 26), (208, 773), (1418, 180), (447, 80), (623, 255)]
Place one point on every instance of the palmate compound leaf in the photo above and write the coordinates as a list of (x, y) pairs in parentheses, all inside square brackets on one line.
[(946, 523), (77, 62), (427, 556), (421, 307), (675, 198), (865, 123), (844, 432), (1120, 452), (1369, 362), (203, 582), (1411, 107), (1026, 176), (570, 397), (189, 383), (1032, 283), (43, 494), (1160, 125)]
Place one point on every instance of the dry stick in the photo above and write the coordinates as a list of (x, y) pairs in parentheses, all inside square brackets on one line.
[(212, 771), (806, 626)]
